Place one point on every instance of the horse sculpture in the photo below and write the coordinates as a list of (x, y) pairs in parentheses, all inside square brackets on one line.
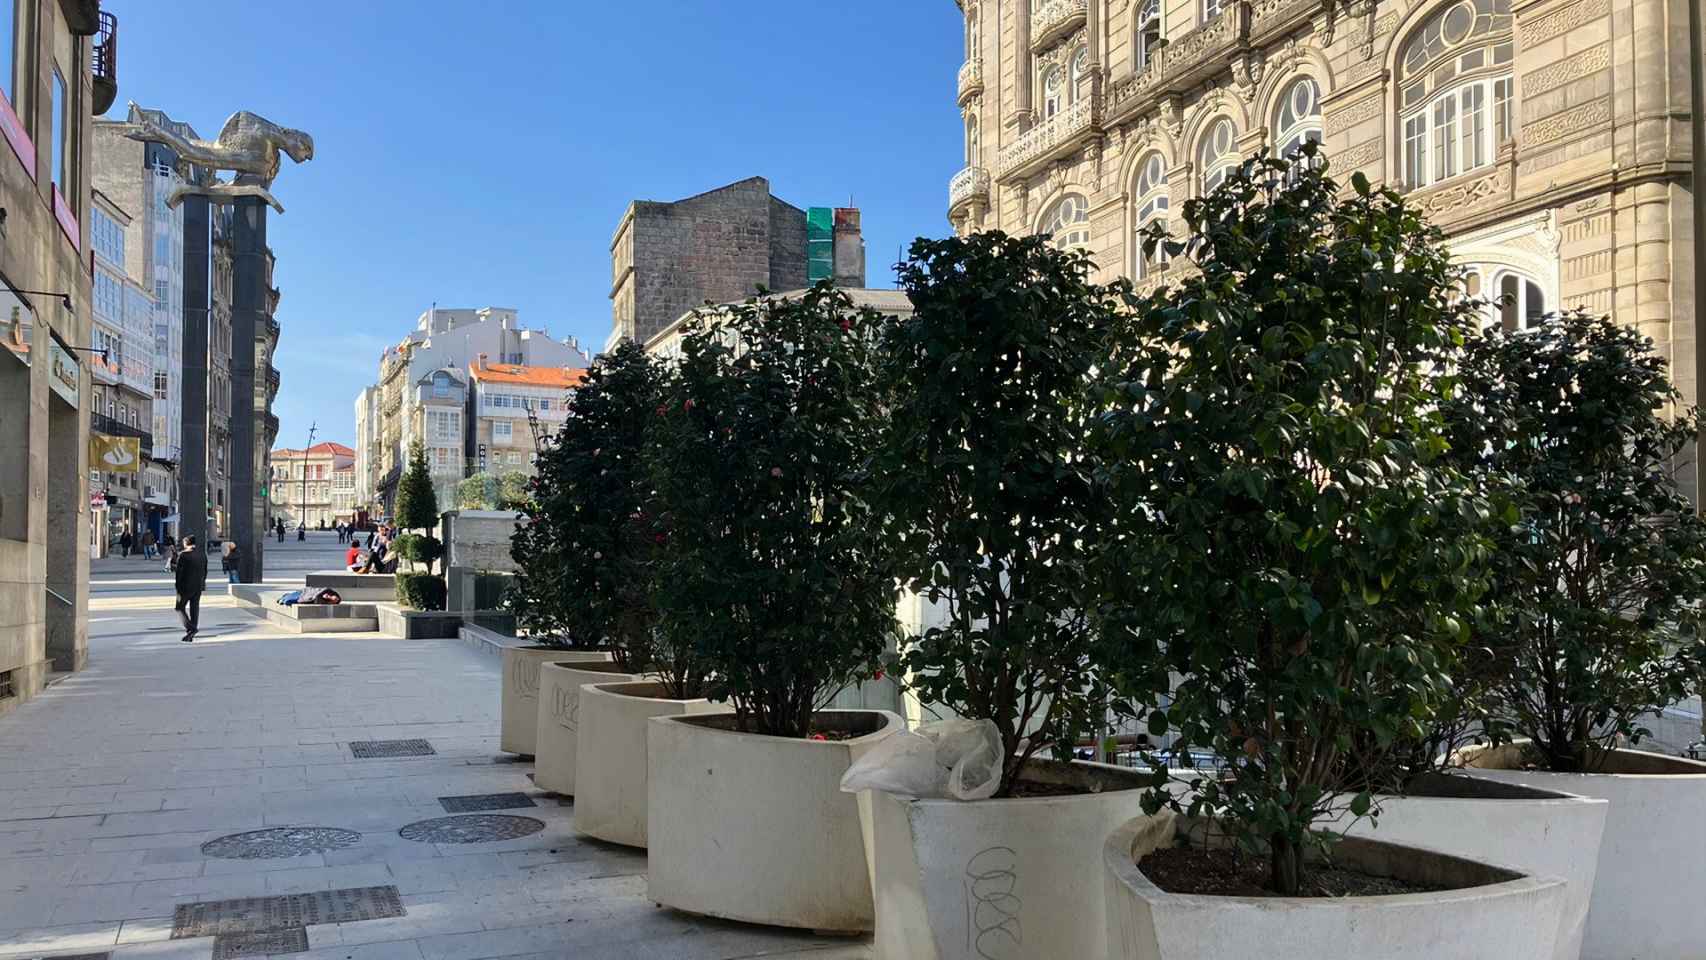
[(248, 145)]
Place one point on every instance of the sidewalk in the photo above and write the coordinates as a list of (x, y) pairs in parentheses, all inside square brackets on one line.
[(116, 777)]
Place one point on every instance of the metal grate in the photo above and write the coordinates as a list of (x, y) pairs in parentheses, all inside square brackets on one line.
[(268, 943), (219, 918), (6, 688), (485, 801), (365, 749), (278, 842), (473, 828)]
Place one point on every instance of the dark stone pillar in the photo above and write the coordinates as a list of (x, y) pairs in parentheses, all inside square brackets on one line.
[(249, 304), (198, 287)]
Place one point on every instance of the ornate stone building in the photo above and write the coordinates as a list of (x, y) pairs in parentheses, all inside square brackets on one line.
[(1550, 138)]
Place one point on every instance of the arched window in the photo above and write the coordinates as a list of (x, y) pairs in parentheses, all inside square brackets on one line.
[(1518, 302), (1051, 92), (1456, 90), (1080, 66), (1298, 117), (1149, 202), (1068, 222), (1218, 154), (972, 141), (972, 37), (1148, 36)]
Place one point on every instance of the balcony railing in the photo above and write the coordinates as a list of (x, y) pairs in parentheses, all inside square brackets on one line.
[(969, 184), (970, 79), (1061, 134), (1054, 19), (103, 64), (112, 427)]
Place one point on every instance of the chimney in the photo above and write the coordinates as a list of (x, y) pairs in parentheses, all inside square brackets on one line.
[(481, 364), (849, 248)]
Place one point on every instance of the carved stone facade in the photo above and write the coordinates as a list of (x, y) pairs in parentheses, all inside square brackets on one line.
[(1550, 138)]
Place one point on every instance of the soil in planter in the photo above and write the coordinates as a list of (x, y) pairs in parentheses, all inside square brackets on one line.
[(1233, 873)]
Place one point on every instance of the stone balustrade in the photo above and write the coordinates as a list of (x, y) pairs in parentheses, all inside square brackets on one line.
[(972, 183), (1053, 19), (1060, 134), (970, 79)]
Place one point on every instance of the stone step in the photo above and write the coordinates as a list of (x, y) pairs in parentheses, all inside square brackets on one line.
[(381, 587), (262, 601)]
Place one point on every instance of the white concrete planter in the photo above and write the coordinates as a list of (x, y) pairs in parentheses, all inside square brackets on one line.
[(521, 693), (1013, 878), (1495, 914), (756, 828), (610, 773), (1540, 832), (1647, 892), (560, 683)]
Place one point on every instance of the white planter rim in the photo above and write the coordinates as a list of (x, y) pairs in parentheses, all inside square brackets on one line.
[(1465, 787), (640, 690), (1083, 769), (1670, 768), (1500, 880), (589, 666), (713, 723)]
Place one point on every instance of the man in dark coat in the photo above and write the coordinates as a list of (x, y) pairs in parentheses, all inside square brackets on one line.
[(190, 581)]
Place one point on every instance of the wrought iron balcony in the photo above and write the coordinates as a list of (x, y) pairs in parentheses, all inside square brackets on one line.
[(1055, 137), (272, 383), (103, 63), (1055, 19), (971, 79), (969, 184), (113, 427)]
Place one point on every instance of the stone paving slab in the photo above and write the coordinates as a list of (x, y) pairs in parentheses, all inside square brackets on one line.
[(115, 777)]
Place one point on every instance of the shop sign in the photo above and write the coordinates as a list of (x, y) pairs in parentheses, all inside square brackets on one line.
[(115, 454), (64, 373)]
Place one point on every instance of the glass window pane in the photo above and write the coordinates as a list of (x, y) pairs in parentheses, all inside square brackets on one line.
[(59, 133), (1508, 317)]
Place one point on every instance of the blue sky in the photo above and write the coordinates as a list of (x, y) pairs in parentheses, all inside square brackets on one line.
[(474, 158)]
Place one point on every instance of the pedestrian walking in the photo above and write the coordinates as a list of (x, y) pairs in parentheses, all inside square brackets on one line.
[(230, 560), (279, 525), (171, 555), (190, 580), (301, 532), (148, 549), (124, 542)]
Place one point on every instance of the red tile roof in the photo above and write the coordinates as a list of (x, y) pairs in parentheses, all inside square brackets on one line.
[(564, 377), (328, 448)]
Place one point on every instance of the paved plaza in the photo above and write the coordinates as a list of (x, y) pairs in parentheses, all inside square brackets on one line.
[(117, 781)]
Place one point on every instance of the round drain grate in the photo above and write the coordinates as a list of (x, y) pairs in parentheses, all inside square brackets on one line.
[(279, 842), (476, 828)]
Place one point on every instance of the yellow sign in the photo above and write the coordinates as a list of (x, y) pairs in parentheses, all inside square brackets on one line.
[(115, 454)]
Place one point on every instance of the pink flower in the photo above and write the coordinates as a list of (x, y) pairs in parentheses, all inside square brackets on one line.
[(817, 736), (660, 410), (687, 404), (776, 471)]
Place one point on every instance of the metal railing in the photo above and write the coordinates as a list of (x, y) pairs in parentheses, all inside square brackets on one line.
[(112, 427), (103, 63)]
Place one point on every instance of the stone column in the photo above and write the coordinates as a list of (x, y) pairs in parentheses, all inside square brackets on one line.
[(1022, 80), (249, 295), (198, 287)]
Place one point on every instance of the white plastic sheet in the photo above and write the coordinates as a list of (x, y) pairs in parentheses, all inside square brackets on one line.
[(946, 760)]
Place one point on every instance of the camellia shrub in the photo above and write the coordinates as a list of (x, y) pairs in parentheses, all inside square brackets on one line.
[(1601, 563), (778, 572), (983, 479), (588, 547), (1294, 561)]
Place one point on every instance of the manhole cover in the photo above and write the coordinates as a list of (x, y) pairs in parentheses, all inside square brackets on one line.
[(278, 842), (364, 749), (288, 940), (485, 801), (476, 828), (253, 915)]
